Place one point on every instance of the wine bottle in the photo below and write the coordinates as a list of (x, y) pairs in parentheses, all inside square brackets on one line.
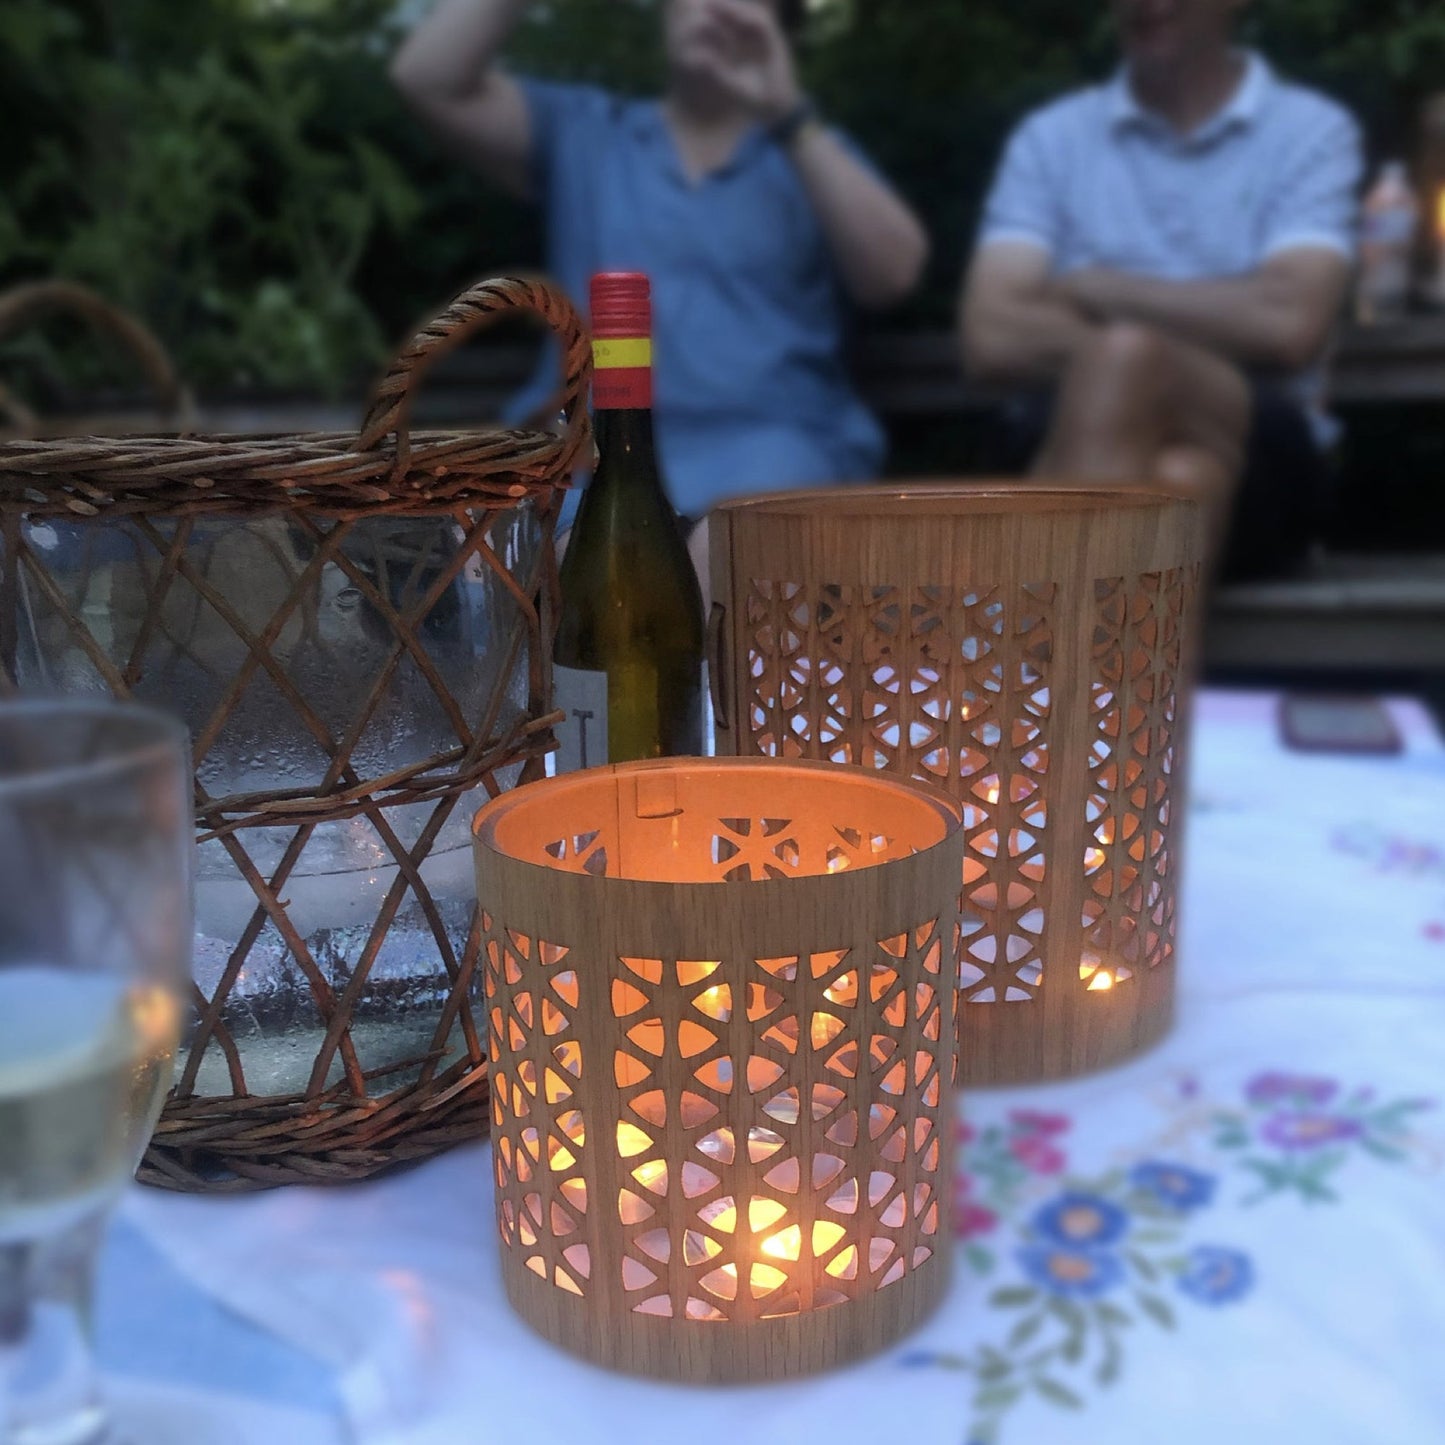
[(628, 656)]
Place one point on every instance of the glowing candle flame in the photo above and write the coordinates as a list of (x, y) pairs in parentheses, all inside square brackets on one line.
[(785, 1245), (714, 1000)]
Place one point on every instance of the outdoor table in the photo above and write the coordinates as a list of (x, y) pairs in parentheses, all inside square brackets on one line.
[(1239, 1236)]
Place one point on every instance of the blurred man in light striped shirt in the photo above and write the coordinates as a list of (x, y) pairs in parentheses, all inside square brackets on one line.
[(1159, 274)]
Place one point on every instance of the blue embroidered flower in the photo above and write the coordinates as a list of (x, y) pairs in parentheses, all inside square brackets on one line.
[(1216, 1276), (1075, 1219), (918, 1360), (1078, 1273), (1172, 1185)]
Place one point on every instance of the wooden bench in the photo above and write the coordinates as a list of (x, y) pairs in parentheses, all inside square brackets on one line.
[(1348, 617)]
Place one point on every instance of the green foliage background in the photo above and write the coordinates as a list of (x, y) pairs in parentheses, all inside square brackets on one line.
[(239, 173)]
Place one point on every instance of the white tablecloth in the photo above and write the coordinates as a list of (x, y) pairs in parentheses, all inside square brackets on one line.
[(1239, 1237)]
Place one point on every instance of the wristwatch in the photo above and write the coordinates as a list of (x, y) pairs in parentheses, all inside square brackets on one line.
[(785, 131)]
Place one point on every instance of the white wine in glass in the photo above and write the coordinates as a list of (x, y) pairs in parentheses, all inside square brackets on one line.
[(95, 940)]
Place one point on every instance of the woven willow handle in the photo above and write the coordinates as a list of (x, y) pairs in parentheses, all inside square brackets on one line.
[(476, 308), (23, 306)]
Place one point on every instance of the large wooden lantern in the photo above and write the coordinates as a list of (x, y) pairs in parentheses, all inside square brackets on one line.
[(1027, 649)]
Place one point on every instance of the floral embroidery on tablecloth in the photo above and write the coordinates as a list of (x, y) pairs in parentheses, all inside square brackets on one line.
[(1390, 852), (1082, 1261), (1393, 853)]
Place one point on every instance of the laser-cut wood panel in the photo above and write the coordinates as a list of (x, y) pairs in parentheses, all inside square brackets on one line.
[(1026, 649), (721, 1012)]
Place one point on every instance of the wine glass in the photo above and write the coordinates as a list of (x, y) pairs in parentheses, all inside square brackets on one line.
[(96, 926)]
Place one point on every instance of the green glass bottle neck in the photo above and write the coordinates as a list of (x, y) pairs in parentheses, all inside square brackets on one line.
[(626, 452)]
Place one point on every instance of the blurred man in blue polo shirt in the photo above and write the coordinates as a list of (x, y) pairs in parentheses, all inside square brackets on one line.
[(753, 219), (1160, 270)]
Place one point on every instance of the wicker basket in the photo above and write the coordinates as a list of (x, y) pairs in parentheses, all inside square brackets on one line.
[(1028, 649), (23, 306), (277, 515)]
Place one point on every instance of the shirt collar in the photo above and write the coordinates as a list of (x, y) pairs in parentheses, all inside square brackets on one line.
[(1240, 112), (649, 125)]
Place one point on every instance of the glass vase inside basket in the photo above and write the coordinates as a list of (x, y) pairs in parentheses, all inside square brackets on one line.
[(305, 661)]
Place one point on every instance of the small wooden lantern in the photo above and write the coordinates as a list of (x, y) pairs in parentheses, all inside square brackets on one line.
[(1025, 648), (721, 1022)]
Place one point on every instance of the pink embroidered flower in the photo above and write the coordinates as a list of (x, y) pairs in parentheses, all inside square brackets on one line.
[(964, 1133), (1277, 1088), (1033, 1122), (1037, 1155), (1435, 932), (971, 1220), (1309, 1131)]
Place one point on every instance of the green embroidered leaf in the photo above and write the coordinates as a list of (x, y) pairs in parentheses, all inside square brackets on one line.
[(1267, 1169), (1110, 1365), (1150, 1208), (1393, 1115), (1112, 1314), (1073, 1349), (1025, 1330), (997, 1397), (994, 1367), (1057, 1393), (1157, 1310), (1070, 1313), (1388, 1152), (979, 1258), (1013, 1298), (1142, 1265), (1156, 1236)]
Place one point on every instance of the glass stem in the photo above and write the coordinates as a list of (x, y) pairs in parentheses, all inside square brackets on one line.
[(48, 1392), (14, 1301), (14, 1326)]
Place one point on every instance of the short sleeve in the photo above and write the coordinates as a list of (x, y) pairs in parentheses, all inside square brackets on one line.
[(1316, 197), (1023, 205), (557, 113)]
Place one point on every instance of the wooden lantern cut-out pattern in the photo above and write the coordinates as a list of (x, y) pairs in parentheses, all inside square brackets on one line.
[(720, 1013), (1026, 649)]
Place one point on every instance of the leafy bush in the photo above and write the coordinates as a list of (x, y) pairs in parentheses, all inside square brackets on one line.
[(193, 163), (239, 173)]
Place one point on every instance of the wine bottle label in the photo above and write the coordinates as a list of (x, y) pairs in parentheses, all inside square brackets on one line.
[(582, 734), (622, 373)]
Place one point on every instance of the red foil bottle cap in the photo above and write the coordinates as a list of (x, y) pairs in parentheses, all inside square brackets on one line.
[(621, 304)]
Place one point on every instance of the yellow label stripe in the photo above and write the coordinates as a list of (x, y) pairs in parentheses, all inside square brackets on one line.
[(616, 355)]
